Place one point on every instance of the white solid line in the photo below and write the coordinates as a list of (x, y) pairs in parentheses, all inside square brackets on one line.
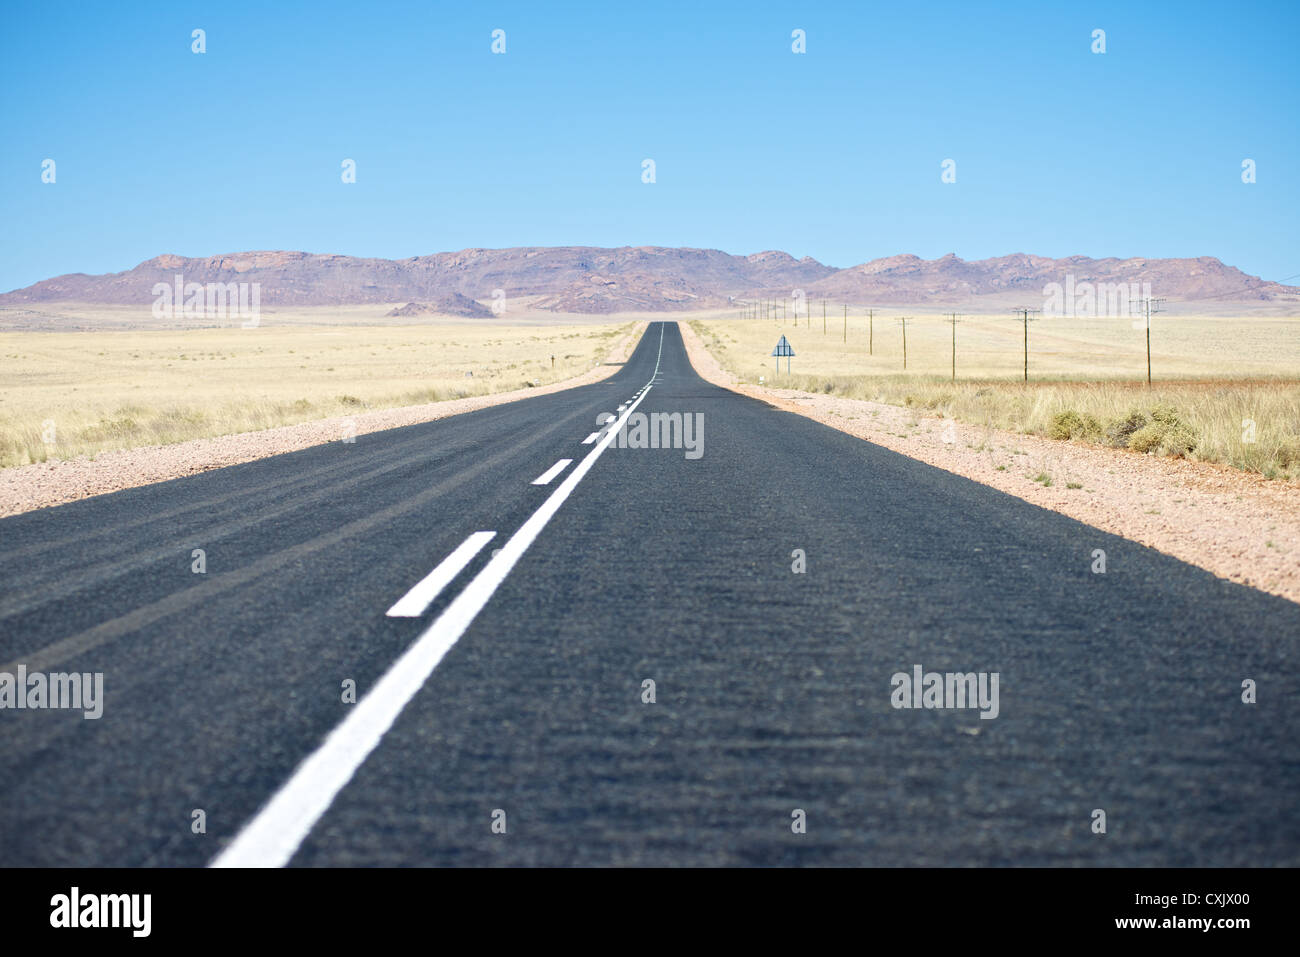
[(272, 837), (419, 598), (554, 470), (591, 438)]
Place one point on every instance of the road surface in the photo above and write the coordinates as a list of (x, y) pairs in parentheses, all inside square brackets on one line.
[(515, 700)]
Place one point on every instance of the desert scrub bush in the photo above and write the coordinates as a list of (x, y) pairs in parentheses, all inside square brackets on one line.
[(1073, 425), (1288, 452), (1164, 433), (1119, 431), (421, 396), (21, 446), (122, 429)]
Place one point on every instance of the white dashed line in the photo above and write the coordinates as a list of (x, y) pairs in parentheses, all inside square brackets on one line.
[(419, 598), (591, 438), (273, 836), (554, 470)]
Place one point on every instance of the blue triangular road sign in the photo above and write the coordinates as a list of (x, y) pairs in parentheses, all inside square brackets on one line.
[(783, 348)]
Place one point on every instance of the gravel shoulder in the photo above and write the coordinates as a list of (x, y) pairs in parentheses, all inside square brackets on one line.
[(43, 484), (1239, 526)]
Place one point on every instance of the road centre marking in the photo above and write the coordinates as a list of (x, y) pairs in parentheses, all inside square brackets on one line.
[(554, 470), (414, 603), (275, 833)]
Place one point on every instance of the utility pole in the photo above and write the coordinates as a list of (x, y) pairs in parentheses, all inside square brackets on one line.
[(1024, 313), (846, 322), (953, 318), (871, 332), (903, 320), (823, 313), (1150, 305)]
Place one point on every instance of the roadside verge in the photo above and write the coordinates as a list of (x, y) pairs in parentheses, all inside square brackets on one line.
[(40, 485)]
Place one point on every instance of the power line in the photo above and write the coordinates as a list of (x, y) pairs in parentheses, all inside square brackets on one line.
[(1233, 292)]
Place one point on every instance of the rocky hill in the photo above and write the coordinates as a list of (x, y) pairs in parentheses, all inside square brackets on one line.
[(647, 279)]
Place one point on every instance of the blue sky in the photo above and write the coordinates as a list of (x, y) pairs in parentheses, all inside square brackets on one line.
[(834, 154)]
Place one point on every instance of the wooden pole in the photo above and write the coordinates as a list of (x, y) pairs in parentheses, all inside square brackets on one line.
[(954, 347), (1148, 343)]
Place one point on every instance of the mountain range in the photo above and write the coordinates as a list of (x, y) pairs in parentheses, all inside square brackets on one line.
[(580, 279)]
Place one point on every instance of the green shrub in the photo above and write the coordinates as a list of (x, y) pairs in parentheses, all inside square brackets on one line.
[(1064, 424), (1147, 438), (1120, 431), (1165, 433), (1092, 430), (1165, 415), (1071, 425), (1179, 442)]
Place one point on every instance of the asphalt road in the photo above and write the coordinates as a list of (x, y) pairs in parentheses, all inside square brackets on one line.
[(520, 689)]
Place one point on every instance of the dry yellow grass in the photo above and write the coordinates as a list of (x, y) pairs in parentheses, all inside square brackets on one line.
[(1225, 389), (65, 394)]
